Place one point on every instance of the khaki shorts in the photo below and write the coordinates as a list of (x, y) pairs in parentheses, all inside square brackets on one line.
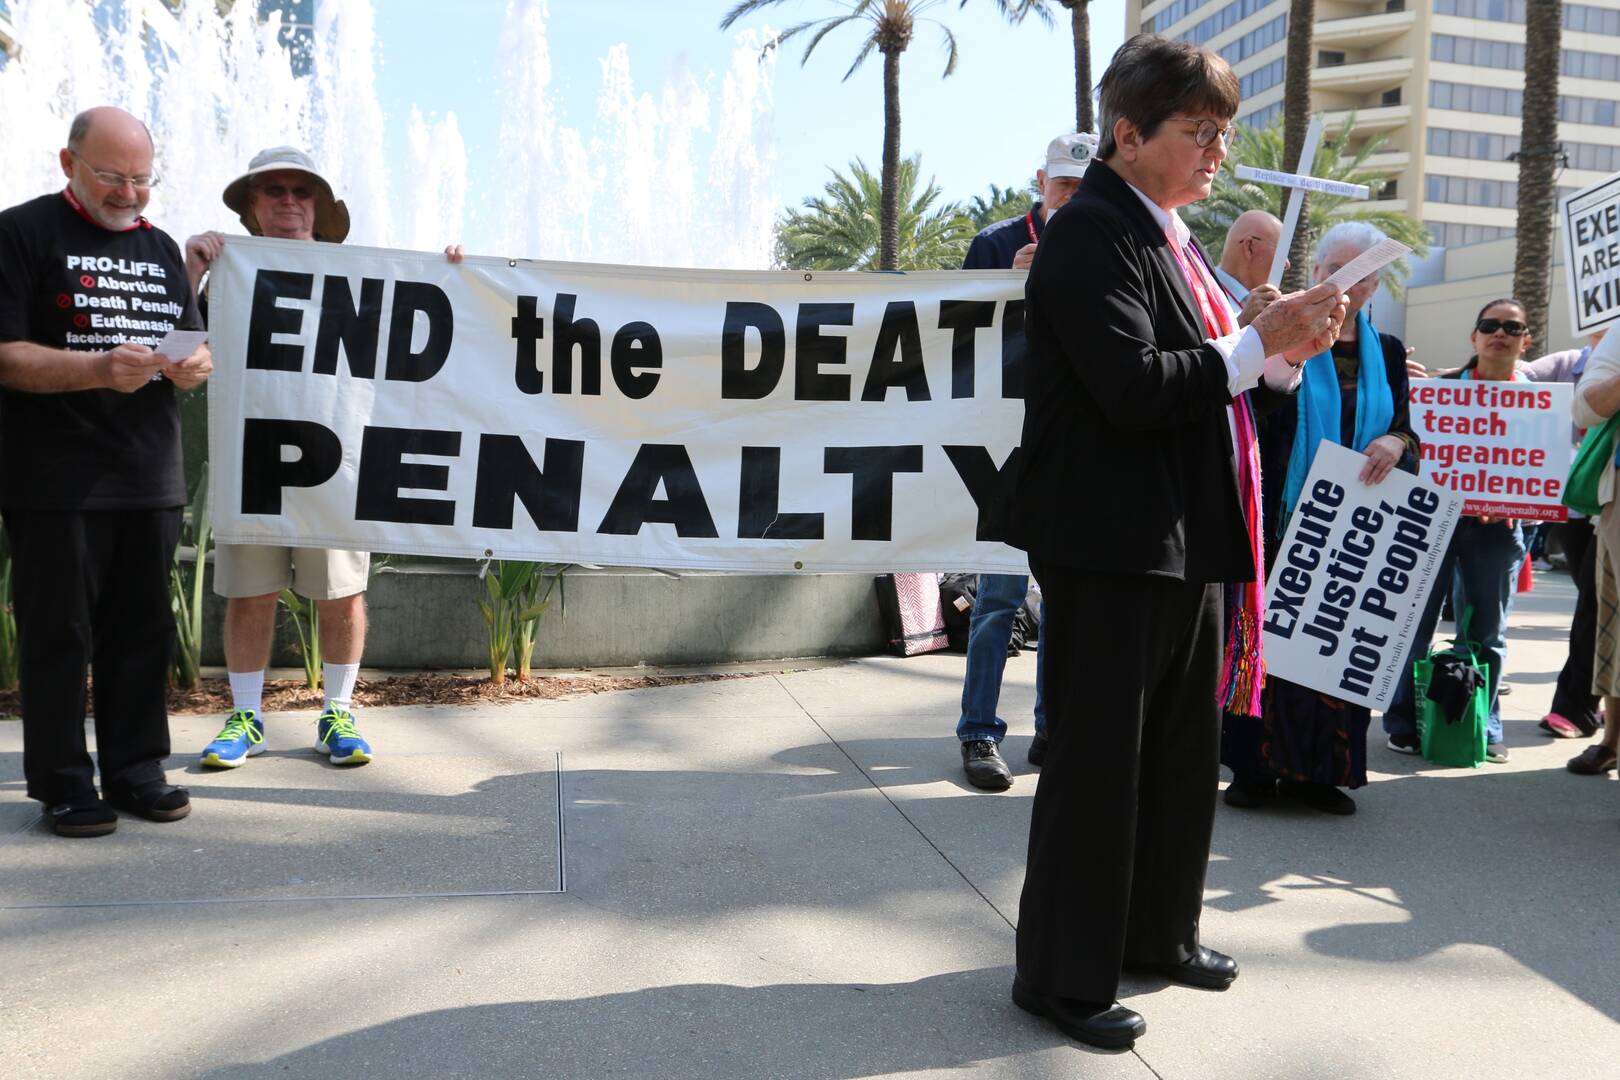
[(1606, 654), (315, 573)]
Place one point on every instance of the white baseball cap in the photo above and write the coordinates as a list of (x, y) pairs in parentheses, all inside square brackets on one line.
[(1068, 155)]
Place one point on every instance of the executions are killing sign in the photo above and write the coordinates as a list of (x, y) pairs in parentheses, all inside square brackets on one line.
[(1592, 255), (389, 401), (1351, 578)]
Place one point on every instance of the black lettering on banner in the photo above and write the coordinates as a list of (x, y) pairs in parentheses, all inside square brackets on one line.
[(528, 328), (759, 515), (384, 471), (964, 318), (354, 326), (264, 473), (268, 319), (1014, 348), (506, 473), (737, 380), (583, 333), (812, 350), (899, 332), (872, 488), (637, 357), (634, 504), (411, 297), (984, 482)]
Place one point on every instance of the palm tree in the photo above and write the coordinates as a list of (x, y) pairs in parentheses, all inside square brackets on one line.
[(1296, 118), (839, 230), (1538, 155), (1080, 26), (1265, 149), (1002, 204), (889, 28)]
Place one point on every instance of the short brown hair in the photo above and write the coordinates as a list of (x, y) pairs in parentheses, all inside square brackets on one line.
[(1152, 78)]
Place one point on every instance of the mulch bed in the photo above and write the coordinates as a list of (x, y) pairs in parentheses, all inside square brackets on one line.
[(214, 695)]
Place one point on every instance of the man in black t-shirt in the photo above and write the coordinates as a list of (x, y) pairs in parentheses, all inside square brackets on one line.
[(91, 480)]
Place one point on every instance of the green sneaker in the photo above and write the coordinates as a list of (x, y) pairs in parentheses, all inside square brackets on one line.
[(241, 738), (336, 738)]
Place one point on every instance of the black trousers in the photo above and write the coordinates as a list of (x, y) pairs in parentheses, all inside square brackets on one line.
[(92, 588), (1573, 698), (1120, 832)]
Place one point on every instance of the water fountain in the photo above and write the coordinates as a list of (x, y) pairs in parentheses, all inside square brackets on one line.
[(676, 177)]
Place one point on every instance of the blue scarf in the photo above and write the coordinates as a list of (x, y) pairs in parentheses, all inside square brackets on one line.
[(1319, 405)]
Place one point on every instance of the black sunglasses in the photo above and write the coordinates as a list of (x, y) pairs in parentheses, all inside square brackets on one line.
[(1510, 327)]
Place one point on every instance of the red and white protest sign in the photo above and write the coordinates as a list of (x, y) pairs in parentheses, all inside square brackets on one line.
[(1503, 446)]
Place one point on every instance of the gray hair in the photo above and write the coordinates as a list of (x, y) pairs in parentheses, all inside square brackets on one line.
[(1360, 235)]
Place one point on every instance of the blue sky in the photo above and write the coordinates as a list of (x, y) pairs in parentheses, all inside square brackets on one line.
[(989, 122)]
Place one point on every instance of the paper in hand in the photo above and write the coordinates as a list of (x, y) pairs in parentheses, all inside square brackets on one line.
[(1368, 262), (179, 344)]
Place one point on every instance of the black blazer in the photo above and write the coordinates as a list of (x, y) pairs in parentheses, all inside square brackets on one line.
[(1126, 459)]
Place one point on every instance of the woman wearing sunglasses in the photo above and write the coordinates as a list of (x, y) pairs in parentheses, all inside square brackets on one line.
[(1482, 563), (1306, 746)]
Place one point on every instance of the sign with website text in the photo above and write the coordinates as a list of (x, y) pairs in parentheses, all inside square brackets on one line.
[(630, 416), (1592, 255), (1354, 571), (1503, 446)]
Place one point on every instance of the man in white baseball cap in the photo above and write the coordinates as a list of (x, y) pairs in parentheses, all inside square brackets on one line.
[(1003, 245)]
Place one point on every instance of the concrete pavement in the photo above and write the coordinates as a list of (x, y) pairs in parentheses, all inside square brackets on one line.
[(784, 876)]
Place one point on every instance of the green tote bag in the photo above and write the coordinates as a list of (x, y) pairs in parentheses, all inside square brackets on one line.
[(1581, 491)]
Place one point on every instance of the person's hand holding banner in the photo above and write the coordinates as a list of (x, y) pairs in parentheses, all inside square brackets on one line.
[(1383, 454)]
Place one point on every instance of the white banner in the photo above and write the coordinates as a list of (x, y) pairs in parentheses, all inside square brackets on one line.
[(1352, 575), (389, 401), (1592, 255), (1503, 446)]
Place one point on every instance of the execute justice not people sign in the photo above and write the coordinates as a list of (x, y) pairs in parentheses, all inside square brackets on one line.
[(779, 421), (1503, 446), (1352, 576)]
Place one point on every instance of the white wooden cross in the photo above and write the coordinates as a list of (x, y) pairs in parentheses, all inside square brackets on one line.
[(1298, 184)]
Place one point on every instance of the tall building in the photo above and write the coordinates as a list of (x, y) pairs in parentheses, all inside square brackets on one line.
[(1442, 80)]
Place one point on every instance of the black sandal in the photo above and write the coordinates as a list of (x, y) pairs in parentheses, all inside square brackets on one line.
[(156, 801), (81, 819)]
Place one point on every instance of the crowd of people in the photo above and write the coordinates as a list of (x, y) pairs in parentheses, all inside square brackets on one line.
[(1187, 396)]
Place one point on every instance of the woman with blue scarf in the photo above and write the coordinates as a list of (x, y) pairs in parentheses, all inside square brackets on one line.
[(1306, 745)]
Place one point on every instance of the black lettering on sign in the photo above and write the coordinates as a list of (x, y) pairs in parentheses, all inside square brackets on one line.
[(506, 473), (964, 318), (812, 349), (353, 326), (583, 333), (984, 482), (737, 379), (759, 514), (1014, 349), (898, 333), (384, 471), (634, 503), (528, 327), (637, 357), (264, 473), (268, 318), (872, 488), (411, 297)]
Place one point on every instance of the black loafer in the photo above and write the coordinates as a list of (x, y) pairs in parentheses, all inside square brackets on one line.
[(1107, 1025), (1251, 794), (1037, 750), (982, 761), (156, 801), (1323, 797), (1207, 970), (81, 819)]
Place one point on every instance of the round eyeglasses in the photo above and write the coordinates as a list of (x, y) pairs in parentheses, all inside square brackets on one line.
[(1206, 131)]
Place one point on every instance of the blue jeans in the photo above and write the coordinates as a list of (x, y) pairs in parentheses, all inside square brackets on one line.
[(989, 634), (1482, 568)]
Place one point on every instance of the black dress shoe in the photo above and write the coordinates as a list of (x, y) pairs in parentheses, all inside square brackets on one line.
[(1248, 794), (1107, 1024), (1323, 797), (88, 818), (1207, 970), (1037, 750), (155, 801), (981, 760)]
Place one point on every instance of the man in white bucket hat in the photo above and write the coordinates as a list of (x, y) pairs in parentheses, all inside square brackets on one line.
[(282, 195)]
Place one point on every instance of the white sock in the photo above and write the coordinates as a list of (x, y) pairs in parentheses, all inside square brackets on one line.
[(338, 681), (247, 690)]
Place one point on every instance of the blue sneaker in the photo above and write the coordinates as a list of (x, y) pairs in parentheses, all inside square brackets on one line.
[(241, 738), (335, 737)]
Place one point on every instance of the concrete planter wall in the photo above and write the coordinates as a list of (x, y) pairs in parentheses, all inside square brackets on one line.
[(428, 617)]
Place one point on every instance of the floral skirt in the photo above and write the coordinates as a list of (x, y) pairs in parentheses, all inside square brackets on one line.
[(1302, 735)]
